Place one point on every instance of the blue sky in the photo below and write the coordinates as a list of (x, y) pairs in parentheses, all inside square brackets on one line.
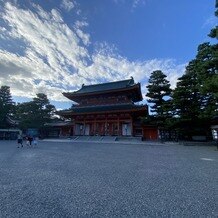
[(54, 46)]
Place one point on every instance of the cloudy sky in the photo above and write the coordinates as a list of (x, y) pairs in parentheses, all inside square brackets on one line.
[(52, 46)]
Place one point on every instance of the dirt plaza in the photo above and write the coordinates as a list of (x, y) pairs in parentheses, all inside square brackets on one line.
[(85, 179)]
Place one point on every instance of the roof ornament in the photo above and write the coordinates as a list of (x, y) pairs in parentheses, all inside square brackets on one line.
[(130, 81), (83, 85)]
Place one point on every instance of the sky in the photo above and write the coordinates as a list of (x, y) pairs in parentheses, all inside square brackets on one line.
[(55, 46)]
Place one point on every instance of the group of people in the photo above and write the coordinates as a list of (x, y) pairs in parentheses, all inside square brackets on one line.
[(30, 141)]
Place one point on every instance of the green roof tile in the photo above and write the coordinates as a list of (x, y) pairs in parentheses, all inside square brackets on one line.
[(106, 86)]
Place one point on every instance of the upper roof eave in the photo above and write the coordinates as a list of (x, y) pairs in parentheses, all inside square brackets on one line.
[(74, 95)]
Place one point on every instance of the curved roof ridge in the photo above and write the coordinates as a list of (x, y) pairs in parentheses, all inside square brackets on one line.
[(106, 86), (105, 83)]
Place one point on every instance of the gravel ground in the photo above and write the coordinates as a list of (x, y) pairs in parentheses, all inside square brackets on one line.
[(107, 180)]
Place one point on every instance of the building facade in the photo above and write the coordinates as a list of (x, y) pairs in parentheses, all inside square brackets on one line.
[(60, 129), (107, 109)]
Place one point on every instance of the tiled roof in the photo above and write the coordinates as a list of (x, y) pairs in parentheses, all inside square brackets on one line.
[(106, 86), (103, 108), (103, 87), (133, 89)]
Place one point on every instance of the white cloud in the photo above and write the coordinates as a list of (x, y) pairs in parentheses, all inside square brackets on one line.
[(67, 5), (80, 24), (137, 2), (56, 58), (134, 3), (114, 67)]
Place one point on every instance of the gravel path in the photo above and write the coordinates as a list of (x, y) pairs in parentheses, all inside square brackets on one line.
[(107, 180)]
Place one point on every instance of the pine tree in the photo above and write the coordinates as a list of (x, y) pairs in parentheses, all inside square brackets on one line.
[(186, 96), (196, 94), (207, 57), (207, 72), (159, 94), (36, 113), (6, 104)]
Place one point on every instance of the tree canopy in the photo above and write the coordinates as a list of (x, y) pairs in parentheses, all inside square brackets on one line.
[(159, 92), (36, 113), (195, 98), (6, 105), (186, 95)]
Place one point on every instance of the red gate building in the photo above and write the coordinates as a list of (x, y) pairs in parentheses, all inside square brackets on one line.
[(107, 109)]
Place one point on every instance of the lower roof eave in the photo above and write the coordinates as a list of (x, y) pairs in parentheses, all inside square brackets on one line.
[(70, 114)]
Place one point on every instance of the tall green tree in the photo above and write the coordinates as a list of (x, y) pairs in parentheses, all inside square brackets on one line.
[(186, 96), (36, 113), (6, 105), (159, 92), (207, 72), (195, 97), (212, 66), (207, 58), (45, 109), (196, 94)]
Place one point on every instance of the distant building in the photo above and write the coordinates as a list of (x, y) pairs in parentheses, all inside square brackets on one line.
[(107, 109), (59, 129), (9, 130)]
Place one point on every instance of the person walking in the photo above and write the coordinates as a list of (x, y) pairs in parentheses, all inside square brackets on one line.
[(35, 141), (30, 138), (27, 141), (19, 140)]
